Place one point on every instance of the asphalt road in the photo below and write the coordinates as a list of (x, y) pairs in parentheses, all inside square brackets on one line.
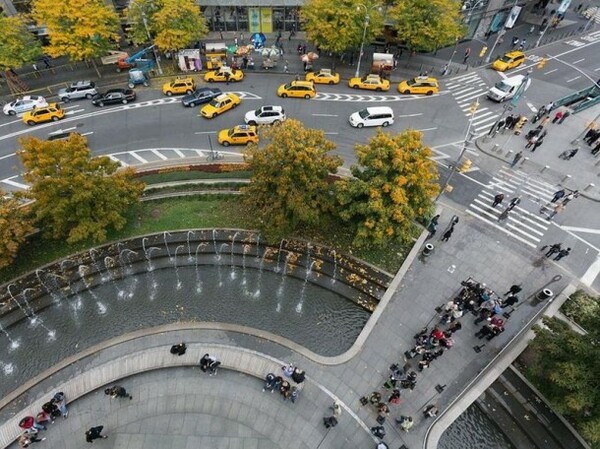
[(154, 123)]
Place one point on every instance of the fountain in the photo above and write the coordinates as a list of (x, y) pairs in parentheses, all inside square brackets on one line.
[(333, 276), (91, 252), (166, 244), (190, 258), (257, 246), (14, 344), (83, 271), (176, 267), (214, 236), (279, 255), (198, 278), (232, 254), (48, 290), (303, 291), (7, 368), (284, 273)]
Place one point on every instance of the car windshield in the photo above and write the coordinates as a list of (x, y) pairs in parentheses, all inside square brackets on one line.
[(215, 103), (364, 113), (287, 86), (502, 86), (231, 132), (505, 59), (412, 82)]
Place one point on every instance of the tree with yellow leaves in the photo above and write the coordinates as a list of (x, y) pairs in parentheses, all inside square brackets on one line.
[(426, 25), (173, 24), (17, 46), (338, 26), (289, 185), (15, 225), (77, 196), (80, 29), (394, 183)]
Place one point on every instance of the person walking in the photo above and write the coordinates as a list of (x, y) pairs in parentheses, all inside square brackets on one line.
[(209, 364), (562, 253), (498, 199), (567, 199), (432, 226), (596, 149), (467, 55), (570, 153), (179, 349), (94, 433), (557, 210), (448, 234), (26, 439), (538, 143), (516, 159), (558, 195), (564, 116), (513, 203), (554, 248), (510, 301), (558, 116), (514, 289), (286, 68), (117, 391)]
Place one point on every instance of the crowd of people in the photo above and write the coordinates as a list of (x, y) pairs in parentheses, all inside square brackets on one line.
[(32, 425), (288, 385)]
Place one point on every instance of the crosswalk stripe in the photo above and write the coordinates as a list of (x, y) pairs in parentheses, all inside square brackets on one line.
[(114, 158), (472, 97), (20, 185), (160, 155), (510, 225), (179, 153), (467, 93), (500, 228), (483, 118), (542, 222), (138, 157)]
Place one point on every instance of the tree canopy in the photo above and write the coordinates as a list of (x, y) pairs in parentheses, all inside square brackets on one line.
[(76, 196), (79, 29), (393, 185), (338, 26), (289, 185), (18, 46), (173, 24), (426, 25), (15, 225)]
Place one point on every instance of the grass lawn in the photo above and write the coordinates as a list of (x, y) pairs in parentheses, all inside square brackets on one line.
[(204, 211)]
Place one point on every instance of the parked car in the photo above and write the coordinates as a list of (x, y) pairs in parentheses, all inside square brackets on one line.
[(223, 74), (62, 135), (114, 96), (325, 76), (298, 89), (52, 112), (200, 96), (265, 115), (238, 135), (426, 85), (370, 82), (220, 104), (78, 90), (27, 103), (179, 86)]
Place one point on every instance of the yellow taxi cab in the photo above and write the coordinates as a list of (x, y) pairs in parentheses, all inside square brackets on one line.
[(509, 61), (238, 135), (220, 104), (370, 82), (420, 85), (52, 112), (179, 86), (323, 77), (298, 89), (222, 74)]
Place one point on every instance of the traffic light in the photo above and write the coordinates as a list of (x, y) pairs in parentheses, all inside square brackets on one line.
[(542, 63), (473, 107), (483, 51), (466, 166), (520, 124)]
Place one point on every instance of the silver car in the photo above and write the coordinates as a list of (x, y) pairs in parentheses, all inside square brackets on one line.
[(80, 89), (27, 103)]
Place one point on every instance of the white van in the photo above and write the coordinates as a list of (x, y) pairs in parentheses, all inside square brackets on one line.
[(378, 116), (506, 89)]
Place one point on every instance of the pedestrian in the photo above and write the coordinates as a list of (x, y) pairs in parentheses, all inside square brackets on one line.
[(591, 135), (241, 38), (596, 149), (286, 68), (298, 376), (430, 411), (117, 391), (209, 364), (516, 159), (509, 122), (378, 431), (558, 195), (235, 41), (94, 433), (544, 121), (570, 197), (562, 253), (564, 116), (554, 248), (558, 116), (498, 199), (35, 68), (29, 424), (406, 422), (394, 397), (294, 394), (60, 401), (467, 54), (448, 234), (543, 24), (330, 421), (336, 408), (510, 301), (179, 349), (26, 439), (382, 445), (531, 29), (432, 226), (557, 210), (303, 49), (288, 370), (515, 42), (514, 289), (227, 76), (532, 140), (454, 327), (270, 381), (513, 203), (46, 61), (537, 144), (44, 418)]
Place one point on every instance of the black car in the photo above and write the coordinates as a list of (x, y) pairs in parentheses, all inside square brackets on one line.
[(114, 96), (200, 96)]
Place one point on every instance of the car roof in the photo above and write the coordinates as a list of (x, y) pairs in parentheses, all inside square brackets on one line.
[(272, 108), (82, 83), (379, 109), (224, 96), (120, 90), (514, 54), (185, 79), (244, 128)]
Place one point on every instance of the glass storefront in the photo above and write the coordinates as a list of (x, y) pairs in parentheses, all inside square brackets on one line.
[(252, 19)]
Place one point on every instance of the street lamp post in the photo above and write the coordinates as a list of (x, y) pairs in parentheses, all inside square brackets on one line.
[(501, 33), (364, 35), (550, 22), (156, 58)]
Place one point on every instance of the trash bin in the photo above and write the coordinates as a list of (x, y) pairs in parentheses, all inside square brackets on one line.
[(545, 293), (428, 249)]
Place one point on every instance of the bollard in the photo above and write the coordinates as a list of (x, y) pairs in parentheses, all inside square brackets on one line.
[(590, 186), (544, 168), (565, 179), (427, 250), (509, 153), (545, 293), (523, 160)]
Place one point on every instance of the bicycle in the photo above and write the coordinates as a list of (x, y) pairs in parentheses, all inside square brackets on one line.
[(214, 156)]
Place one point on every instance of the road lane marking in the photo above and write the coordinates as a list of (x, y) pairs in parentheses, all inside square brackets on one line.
[(595, 70), (592, 272), (427, 129), (331, 134), (410, 115), (585, 230), (138, 157), (573, 79), (325, 115), (10, 123), (88, 133), (7, 156), (578, 61), (160, 155), (206, 132), (550, 71)]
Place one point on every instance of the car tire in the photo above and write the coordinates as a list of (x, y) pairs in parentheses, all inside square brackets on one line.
[(355, 86), (234, 105), (331, 83), (406, 92), (124, 101), (276, 122), (30, 122), (429, 92), (101, 104), (65, 99), (378, 89), (169, 93), (214, 115), (249, 143), (225, 144), (188, 92), (284, 95), (211, 80), (192, 104), (88, 96), (385, 124), (307, 97), (11, 112), (252, 123), (360, 125), (55, 118)]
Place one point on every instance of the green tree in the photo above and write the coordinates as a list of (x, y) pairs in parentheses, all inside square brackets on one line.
[(80, 29), (76, 196), (15, 225), (426, 25), (18, 46), (582, 308), (173, 24), (393, 185), (565, 369), (338, 26), (289, 185)]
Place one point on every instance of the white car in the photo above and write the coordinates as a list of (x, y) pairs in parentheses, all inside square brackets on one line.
[(27, 103), (80, 89), (265, 115)]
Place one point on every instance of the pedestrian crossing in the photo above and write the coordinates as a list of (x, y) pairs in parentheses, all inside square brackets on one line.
[(524, 223), (466, 89)]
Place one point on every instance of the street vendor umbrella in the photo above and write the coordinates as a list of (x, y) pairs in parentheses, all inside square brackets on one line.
[(244, 50), (269, 52), (232, 48), (258, 39), (312, 55), (27, 422), (304, 58)]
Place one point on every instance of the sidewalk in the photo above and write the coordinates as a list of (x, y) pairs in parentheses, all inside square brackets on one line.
[(579, 173)]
